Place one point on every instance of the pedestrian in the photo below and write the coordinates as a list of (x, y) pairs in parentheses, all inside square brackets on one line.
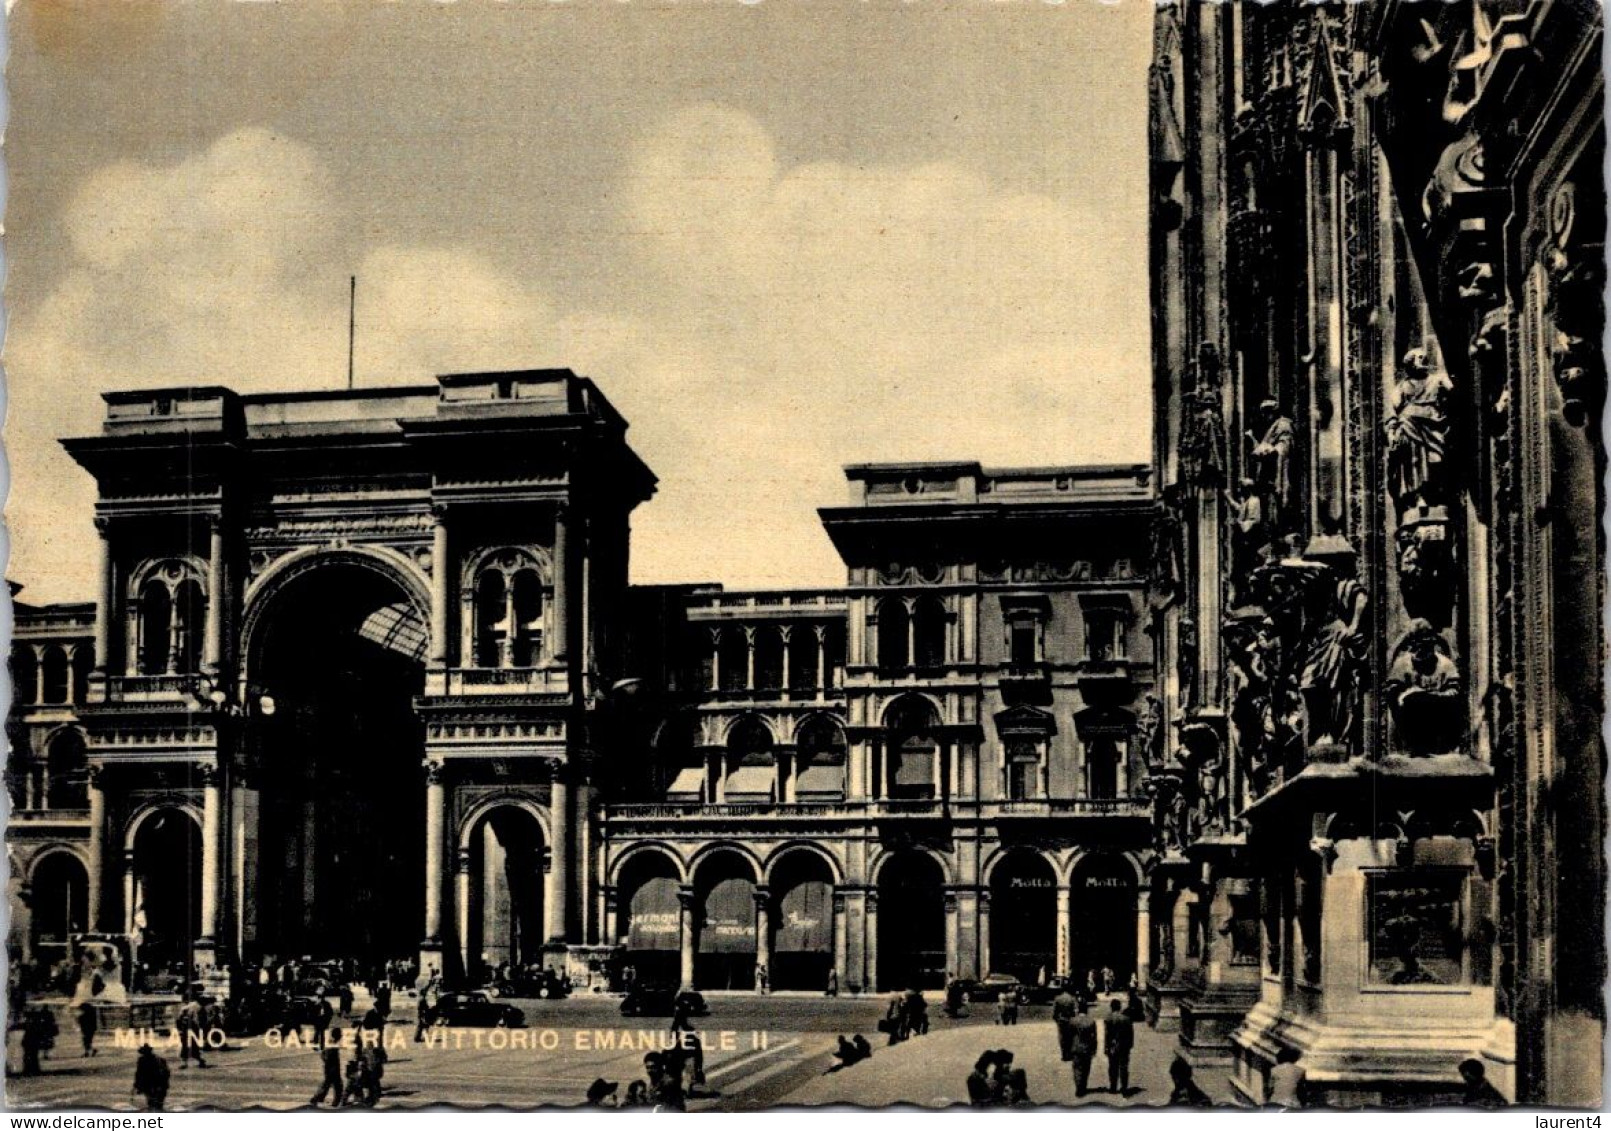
[(665, 1085), (894, 1022), (150, 1078), (637, 1095), (1017, 1093), (916, 1011), (1286, 1080), (88, 1022), (191, 1034), (33, 1040), (1082, 1045), (1064, 1006), (330, 1059), (955, 997), (372, 1055), (1135, 1009), (1007, 1007), (833, 983), (979, 1094), (1110, 980), (864, 1050), (1186, 1093), (1090, 984), (322, 1015), (761, 978), (1118, 1038), (344, 999), (601, 1093), (845, 1054), (1478, 1091)]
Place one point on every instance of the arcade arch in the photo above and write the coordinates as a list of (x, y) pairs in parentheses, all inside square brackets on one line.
[(911, 922)]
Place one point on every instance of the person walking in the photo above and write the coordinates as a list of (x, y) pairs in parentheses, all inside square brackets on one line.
[(1286, 1080), (761, 977), (833, 983), (150, 1078), (1118, 1038), (1064, 1006), (1185, 1093), (34, 1040), (322, 1016), (344, 999), (1082, 1045), (88, 1023), (1477, 1091), (330, 1059), (191, 1033)]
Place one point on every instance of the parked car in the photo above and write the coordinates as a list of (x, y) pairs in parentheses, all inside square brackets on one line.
[(991, 987), (533, 983), (662, 1001), (314, 980), (475, 1009), (1041, 995)]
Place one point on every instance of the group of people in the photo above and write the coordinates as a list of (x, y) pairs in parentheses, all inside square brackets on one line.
[(1077, 1033), (851, 1050), (994, 1082), (670, 1076), (907, 1016)]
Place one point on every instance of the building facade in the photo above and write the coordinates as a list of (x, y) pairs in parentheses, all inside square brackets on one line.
[(365, 679), (1377, 250)]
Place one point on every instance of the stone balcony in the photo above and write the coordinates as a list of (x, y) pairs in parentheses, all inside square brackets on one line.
[(496, 681), (857, 810)]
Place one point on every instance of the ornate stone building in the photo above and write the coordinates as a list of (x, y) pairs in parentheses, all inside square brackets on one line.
[(1377, 252), (365, 679)]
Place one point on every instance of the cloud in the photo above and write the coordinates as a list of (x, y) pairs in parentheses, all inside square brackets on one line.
[(772, 321)]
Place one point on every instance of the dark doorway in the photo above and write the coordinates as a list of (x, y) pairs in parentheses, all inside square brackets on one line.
[(342, 844), (1023, 918), (911, 923), (58, 904), (506, 891), (1104, 911), (167, 889), (802, 922)]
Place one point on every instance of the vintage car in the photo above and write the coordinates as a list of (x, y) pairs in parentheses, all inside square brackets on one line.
[(475, 1009), (662, 1001), (988, 988)]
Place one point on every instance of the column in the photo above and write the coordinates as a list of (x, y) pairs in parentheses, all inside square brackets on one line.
[(461, 898), (212, 850), (106, 597), (823, 676), (243, 832), (439, 588), (39, 691), (984, 932), (435, 819), (953, 948), (841, 937), (212, 644), (1143, 937), (1065, 926), (763, 932), (562, 636), (787, 634), (685, 936), (97, 847), (941, 754), (870, 984), (129, 895), (883, 768), (749, 657), (559, 880), (612, 920), (715, 658)]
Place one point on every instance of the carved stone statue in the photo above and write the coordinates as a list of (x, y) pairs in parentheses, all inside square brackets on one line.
[(1424, 692), (1272, 456), (1202, 426), (1149, 725), (1186, 660), (1333, 668), (1168, 567), (1249, 534), (1424, 571), (1418, 432)]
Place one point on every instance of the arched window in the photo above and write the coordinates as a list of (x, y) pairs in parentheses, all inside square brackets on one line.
[(928, 633), (55, 679), (171, 613), (1102, 767), (509, 600), (733, 658), (156, 626), (894, 635), (83, 664), (69, 772), (820, 760), (913, 751), (751, 766), (24, 675), (768, 658), (803, 672)]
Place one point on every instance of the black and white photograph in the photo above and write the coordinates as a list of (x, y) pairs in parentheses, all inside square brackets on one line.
[(724, 556)]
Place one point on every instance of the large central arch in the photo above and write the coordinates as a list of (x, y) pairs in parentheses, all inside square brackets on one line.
[(338, 640)]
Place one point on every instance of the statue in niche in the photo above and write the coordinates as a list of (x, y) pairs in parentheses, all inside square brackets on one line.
[(1424, 571), (1186, 661), (1210, 785), (1418, 432), (1167, 552), (1272, 457), (1164, 972), (1149, 726), (1249, 535), (1425, 693), (1334, 669), (1202, 429)]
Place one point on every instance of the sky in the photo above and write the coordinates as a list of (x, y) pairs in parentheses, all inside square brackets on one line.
[(781, 237)]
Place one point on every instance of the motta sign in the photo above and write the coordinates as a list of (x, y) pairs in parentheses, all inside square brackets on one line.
[(1030, 882), (1107, 882)]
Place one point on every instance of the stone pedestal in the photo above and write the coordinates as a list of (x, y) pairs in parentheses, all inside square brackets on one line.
[(1163, 1005)]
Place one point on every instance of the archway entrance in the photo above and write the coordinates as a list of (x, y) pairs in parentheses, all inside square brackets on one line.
[(801, 922), (1023, 918), (505, 892), (57, 904), (911, 923), (342, 842), (167, 890), (724, 952), (1104, 910), (650, 916)]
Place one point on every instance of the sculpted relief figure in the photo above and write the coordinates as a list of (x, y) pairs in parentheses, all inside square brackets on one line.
[(1425, 693), (1334, 666), (1202, 428), (1418, 432), (1272, 456)]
